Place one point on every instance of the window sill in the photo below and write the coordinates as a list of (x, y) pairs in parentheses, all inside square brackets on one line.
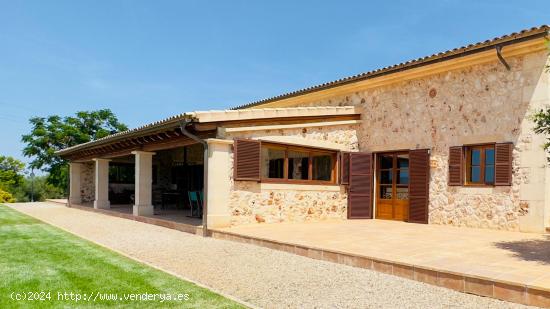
[(300, 187), (477, 186), (471, 189), (298, 181)]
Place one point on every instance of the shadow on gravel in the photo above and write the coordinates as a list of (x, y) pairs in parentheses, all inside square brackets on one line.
[(537, 250)]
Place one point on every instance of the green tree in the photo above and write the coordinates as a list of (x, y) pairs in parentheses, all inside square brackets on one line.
[(542, 125), (38, 188), (542, 117), (53, 133), (11, 172)]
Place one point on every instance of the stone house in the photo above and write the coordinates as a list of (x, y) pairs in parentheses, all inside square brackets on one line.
[(443, 139)]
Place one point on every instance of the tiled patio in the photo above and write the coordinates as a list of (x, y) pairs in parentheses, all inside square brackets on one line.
[(508, 265)]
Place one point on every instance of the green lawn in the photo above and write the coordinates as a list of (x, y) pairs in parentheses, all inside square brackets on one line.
[(37, 259)]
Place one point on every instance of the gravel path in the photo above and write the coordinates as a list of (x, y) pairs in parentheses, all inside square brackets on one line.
[(260, 276)]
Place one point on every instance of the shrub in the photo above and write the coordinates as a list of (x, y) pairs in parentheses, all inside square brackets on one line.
[(6, 197)]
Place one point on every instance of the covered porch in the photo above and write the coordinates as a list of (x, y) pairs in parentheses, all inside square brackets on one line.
[(169, 180), (181, 169), (166, 184)]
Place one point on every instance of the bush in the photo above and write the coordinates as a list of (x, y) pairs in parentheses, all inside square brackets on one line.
[(42, 190), (6, 197)]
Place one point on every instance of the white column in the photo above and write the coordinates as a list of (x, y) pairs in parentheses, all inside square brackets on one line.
[(74, 183), (102, 184), (143, 205), (218, 183)]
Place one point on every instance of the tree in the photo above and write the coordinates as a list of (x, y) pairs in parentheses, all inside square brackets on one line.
[(542, 125), (542, 117), (38, 188), (53, 133), (11, 172)]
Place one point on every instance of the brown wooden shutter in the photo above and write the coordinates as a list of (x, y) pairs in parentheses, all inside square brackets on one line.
[(344, 168), (503, 164), (360, 186), (246, 159), (456, 164), (419, 185)]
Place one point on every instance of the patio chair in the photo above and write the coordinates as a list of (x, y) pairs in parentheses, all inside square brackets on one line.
[(194, 203)]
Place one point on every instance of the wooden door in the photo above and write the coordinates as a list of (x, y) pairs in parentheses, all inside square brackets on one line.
[(392, 188), (360, 186)]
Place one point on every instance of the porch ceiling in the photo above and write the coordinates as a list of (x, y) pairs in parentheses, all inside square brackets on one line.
[(165, 134)]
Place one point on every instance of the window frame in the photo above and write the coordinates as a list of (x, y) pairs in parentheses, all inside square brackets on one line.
[(310, 151), (468, 165)]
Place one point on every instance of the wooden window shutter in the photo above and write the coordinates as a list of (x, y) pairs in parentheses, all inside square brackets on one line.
[(503, 164), (419, 185), (360, 186), (456, 166), (246, 159), (344, 168)]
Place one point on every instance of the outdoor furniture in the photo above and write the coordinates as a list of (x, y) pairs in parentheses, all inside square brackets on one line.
[(195, 203), (170, 197)]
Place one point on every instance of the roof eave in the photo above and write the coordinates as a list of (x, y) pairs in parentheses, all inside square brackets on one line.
[(136, 132)]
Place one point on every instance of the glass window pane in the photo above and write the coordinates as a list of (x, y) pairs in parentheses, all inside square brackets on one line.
[(402, 193), (273, 161), (475, 174), (403, 176), (489, 156), (386, 192), (298, 165), (403, 161), (476, 157), (386, 161), (322, 166), (489, 174), (386, 177)]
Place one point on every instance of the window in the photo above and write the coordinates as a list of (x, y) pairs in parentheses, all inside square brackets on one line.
[(273, 163), (297, 164), (480, 165), (393, 175)]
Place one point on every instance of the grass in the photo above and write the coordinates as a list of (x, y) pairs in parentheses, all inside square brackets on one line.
[(36, 257)]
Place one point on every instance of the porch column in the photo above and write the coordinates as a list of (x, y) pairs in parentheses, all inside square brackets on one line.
[(102, 184), (74, 183), (218, 183), (143, 205)]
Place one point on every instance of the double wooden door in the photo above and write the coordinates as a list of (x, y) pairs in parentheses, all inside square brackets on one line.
[(392, 186), (401, 189)]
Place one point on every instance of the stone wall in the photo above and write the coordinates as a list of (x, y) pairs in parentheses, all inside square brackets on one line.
[(252, 202), (481, 103), (87, 182)]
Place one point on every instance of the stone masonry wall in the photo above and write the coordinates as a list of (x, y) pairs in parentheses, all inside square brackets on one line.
[(87, 182), (249, 203), (481, 103)]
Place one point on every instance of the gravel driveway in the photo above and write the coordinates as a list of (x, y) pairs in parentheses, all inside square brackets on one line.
[(260, 276)]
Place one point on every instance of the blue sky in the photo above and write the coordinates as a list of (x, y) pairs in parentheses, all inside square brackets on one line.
[(147, 60)]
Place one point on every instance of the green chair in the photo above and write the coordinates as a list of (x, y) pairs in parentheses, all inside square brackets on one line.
[(194, 203)]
